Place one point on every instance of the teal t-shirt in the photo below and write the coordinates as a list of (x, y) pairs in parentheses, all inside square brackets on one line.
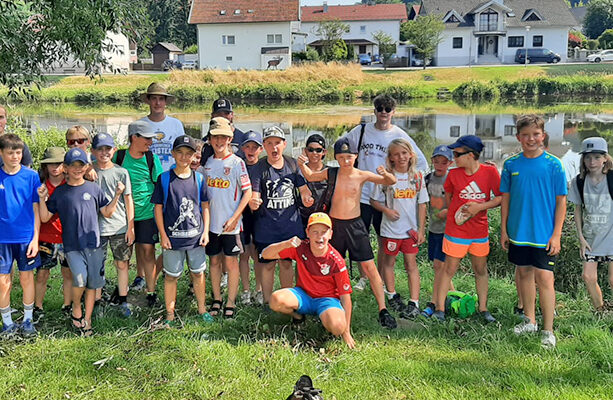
[(142, 185)]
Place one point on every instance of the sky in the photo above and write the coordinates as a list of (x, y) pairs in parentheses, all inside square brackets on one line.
[(330, 2)]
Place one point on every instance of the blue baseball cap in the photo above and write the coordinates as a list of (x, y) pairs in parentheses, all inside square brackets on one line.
[(444, 151), (343, 146), (252, 136), (469, 141), (75, 154), (103, 139)]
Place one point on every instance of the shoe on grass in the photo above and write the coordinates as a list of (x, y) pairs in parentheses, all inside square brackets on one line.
[(548, 340), (246, 298), (429, 310), (206, 318), (37, 314), (66, 309), (386, 320), (411, 311), (168, 323), (138, 284), (152, 299), (518, 311), (396, 303), (525, 327), (9, 330), (258, 297), (439, 316), (125, 309), (361, 285), (27, 328), (487, 317)]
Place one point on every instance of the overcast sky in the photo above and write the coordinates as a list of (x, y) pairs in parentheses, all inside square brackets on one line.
[(330, 2)]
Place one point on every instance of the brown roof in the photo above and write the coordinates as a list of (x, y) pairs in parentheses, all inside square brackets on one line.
[(224, 11), (358, 12)]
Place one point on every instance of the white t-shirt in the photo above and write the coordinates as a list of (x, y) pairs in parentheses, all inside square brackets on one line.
[(403, 196), (226, 179), (167, 130), (373, 151)]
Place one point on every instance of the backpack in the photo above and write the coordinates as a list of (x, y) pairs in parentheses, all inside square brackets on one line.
[(581, 185), (165, 181), (460, 304), (121, 155)]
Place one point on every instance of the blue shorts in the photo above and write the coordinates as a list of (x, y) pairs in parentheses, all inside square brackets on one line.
[(10, 252), (435, 246), (314, 306)]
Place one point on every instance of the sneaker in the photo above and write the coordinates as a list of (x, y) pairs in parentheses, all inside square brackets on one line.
[(361, 285), (396, 303), (27, 328), (66, 310), (152, 299), (105, 297), (548, 340), (169, 324), (525, 327), (138, 284), (206, 318), (114, 299), (224, 281), (98, 309), (386, 320), (411, 311), (259, 298), (518, 311), (125, 309), (37, 314), (9, 330), (246, 298), (429, 310), (439, 316), (487, 317)]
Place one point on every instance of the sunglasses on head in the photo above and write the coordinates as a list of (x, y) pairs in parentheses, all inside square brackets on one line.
[(315, 150), (457, 154), (387, 109), (72, 142)]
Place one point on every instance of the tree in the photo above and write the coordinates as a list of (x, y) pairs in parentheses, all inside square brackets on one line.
[(331, 33), (171, 22), (425, 33), (386, 46), (598, 18), (34, 34), (606, 39)]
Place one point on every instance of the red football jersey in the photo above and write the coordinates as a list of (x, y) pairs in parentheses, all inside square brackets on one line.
[(51, 231)]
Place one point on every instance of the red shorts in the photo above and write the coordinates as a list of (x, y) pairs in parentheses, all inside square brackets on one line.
[(391, 247)]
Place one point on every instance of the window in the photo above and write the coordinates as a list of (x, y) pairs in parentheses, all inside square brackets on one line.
[(453, 18), (274, 38), (488, 20), (532, 17), (362, 28), (537, 41), (454, 131), (228, 58), (509, 130), (516, 41), (228, 39), (457, 42)]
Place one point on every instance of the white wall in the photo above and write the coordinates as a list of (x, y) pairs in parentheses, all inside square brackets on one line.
[(246, 52), (447, 55), (554, 39)]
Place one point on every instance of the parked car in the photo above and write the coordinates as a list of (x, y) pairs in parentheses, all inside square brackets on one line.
[(605, 55), (190, 64), (364, 59), (417, 61), (171, 64), (376, 59), (537, 55)]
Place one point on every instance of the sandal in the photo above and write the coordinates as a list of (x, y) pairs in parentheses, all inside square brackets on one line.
[(228, 312), (215, 308), (75, 321), (86, 330)]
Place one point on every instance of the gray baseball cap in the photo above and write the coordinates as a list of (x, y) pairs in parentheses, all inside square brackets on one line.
[(142, 128), (594, 145), (274, 131)]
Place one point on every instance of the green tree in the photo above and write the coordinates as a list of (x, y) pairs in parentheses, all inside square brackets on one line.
[(598, 18), (331, 33), (606, 39), (425, 33), (171, 22), (386, 45)]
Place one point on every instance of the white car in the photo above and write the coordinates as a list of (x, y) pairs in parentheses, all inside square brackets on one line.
[(605, 55), (190, 65)]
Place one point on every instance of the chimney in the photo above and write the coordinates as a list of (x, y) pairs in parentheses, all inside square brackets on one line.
[(325, 6)]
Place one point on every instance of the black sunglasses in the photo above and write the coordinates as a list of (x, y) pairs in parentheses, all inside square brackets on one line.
[(457, 154), (72, 142), (315, 150), (387, 109)]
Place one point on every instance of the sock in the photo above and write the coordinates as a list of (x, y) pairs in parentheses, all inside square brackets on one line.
[(6, 316), (122, 299), (27, 311), (390, 295), (416, 303)]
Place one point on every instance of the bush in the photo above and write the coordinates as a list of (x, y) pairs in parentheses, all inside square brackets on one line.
[(39, 140), (193, 49), (312, 54), (475, 90), (606, 39), (592, 44)]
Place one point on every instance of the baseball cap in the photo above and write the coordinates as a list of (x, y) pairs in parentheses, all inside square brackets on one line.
[(222, 105), (142, 128), (442, 150), (220, 126), (319, 218), (469, 141), (75, 154), (594, 145), (252, 136), (274, 131), (343, 146), (316, 138), (184, 141), (103, 139), (53, 155)]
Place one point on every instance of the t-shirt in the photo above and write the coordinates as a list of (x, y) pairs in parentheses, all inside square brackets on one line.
[(167, 130), (78, 208), (226, 179), (465, 188), (318, 190), (532, 184), (237, 140), (108, 179), (373, 151), (436, 191), (278, 217), (26, 157), (403, 196), (18, 193), (51, 231), (325, 276), (597, 215), (142, 186), (182, 215)]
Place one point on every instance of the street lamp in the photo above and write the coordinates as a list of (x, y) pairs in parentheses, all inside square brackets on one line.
[(526, 42)]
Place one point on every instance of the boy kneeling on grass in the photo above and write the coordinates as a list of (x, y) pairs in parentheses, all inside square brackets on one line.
[(182, 218), (323, 287), (78, 203)]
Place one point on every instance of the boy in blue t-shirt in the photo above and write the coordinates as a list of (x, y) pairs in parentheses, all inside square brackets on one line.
[(19, 225), (182, 218), (78, 203), (533, 186)]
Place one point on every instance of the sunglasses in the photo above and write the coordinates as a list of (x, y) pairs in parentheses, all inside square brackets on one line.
[(457, 154), (315, 150), (72, 142), (387, 109)]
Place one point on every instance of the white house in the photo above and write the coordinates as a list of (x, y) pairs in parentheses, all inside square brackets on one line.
[(245, 33), (490, 32), (363, 21)]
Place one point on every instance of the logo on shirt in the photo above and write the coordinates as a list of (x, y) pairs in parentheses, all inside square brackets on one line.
[(186, 213), (1, 186), (325, 269), (87, 196), (346, 286), (226, 170), (217, 183), (404, 193), (280, 194), (472, 192), (304, 257)]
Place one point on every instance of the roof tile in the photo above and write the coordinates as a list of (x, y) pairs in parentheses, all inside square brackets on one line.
[(209, 11), (358, 12)]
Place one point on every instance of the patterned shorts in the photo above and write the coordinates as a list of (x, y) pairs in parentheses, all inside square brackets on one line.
[(598, 259)]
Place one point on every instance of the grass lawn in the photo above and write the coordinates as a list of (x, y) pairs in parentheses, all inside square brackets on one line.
[(260, 356)]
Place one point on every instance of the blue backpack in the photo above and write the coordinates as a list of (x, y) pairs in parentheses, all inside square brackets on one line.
[(165, 180)]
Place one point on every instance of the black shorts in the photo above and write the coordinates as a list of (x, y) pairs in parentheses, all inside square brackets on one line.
[(247, 234), (351, 235), (146, 231), (231, 245), (371, 216), (261, 246), (537, 257), (51, 254)]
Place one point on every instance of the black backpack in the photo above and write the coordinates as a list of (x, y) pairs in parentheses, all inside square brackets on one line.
[(581, 185), (121, 155)]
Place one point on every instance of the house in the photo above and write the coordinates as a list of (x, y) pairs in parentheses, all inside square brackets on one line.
[(133, 52), (163, 51), (363, 21), (245, 33), (490, 32)]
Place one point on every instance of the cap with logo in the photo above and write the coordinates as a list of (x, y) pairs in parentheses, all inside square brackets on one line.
[(53, 155), (594, 145), (252, 136), (142, 128), (319, 218), (222, 105), (442, 150), (343, 146), (469, 141), (274, 131), (157, 89), (75, 154), (316, 138), (184, 141), (220, 126), (103, 139)]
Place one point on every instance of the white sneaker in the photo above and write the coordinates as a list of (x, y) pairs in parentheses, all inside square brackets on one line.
[(258, 297), (224, 281), (548, 340), (246, 298), (361, 285), (525, 327)]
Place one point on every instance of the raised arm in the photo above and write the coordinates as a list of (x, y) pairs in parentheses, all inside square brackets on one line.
[(44, 213), (308, 173), (382, 177), (272, 252), (108, 210)]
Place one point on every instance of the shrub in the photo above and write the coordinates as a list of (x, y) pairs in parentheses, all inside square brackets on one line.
[(606, 39), (39, 140), (193, 49), (475, 90), (592, 44)]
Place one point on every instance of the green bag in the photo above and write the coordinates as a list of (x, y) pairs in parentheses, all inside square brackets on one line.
[(461, 304)]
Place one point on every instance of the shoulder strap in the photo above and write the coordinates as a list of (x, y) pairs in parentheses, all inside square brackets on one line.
[(418, 177), (580, 186), (121, 155), (199, 182), (427, 178), (331, 184), (355, 164), (150, 163), (165, 178), (610, 183)]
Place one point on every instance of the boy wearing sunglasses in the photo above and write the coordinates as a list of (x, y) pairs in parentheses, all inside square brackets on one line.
[(315, 150)]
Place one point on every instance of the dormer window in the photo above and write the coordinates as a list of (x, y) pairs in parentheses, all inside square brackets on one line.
[(532, 15), (237, 12), (222, 12), (511, 14), (453, 18)]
